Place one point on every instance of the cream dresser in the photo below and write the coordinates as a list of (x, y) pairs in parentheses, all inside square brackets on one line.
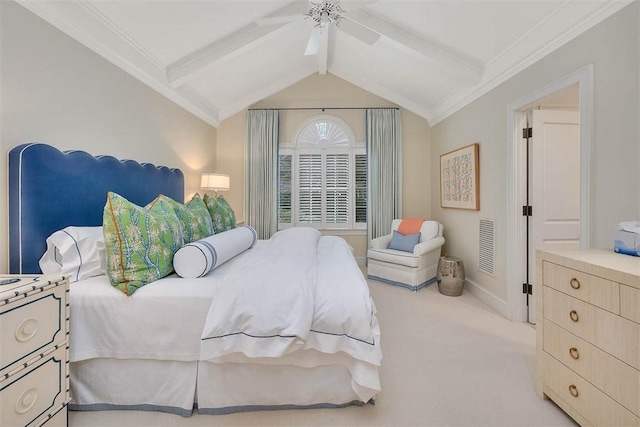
[(34, 369), (588, 335)]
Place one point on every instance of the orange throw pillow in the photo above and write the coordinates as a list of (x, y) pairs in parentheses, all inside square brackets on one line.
[(410, 226)]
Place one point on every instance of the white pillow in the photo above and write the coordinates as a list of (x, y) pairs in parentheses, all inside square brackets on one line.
[(76, 252), (429, 230), (196, 259)]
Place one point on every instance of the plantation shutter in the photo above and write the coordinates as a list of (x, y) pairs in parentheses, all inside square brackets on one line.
[(310, 189), (361, 188), (285, 182), (337, 189), (323, 178)]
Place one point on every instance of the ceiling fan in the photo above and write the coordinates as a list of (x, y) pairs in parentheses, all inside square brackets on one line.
[(324, 14)]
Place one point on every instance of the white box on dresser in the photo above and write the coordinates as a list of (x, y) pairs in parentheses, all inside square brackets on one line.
[(34, 344), (588, 335)]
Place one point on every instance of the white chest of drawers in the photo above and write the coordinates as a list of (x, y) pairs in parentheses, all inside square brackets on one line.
[(588, 335), (34, 344)]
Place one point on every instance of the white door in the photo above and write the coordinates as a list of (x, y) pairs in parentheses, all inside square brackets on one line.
[(554, 185)]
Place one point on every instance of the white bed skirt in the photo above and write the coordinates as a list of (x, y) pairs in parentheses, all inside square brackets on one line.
[(239, 387), (170, 386), (142, 385)]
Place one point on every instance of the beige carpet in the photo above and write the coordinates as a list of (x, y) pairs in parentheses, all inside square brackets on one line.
[(448, 361)]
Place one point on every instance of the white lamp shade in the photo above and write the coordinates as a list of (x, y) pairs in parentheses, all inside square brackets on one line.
[(215, 181)]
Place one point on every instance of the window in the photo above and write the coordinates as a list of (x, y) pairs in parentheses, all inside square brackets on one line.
[(322, 177)]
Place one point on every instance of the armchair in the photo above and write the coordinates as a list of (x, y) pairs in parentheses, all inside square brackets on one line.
[(411, 270)]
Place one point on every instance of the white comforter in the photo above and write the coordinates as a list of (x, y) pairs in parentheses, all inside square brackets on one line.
[(296, 299), (162, 320), (300, 293), (265, 302)]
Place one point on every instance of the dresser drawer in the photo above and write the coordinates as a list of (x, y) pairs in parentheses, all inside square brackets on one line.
[(586, 399), (617, 379), (594, 290), (630, 303), (613, 334), (30, 324), (29, 396)]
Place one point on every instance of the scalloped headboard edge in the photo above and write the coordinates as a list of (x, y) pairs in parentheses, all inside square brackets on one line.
[(50, 189)]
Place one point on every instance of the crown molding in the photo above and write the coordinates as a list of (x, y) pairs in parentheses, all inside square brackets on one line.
[(267, 91), (497, 72), (379, 90), (81, 20), (84, 23), (108, 23)]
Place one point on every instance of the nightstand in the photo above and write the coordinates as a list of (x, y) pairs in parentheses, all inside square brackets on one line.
[(34, 367)]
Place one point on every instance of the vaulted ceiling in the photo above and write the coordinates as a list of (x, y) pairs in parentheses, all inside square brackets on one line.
[(215, 58)]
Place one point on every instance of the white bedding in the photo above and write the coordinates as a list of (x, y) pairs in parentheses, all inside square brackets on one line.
[(344, 316), (138, 384), (265, 303), (298, 291), (298, 300), (162, 320), (243, 387)]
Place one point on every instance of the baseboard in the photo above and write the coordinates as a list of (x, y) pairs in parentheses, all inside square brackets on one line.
[(487, 297)]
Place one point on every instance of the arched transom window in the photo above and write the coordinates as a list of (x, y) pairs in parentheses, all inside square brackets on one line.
[(323, 177), (324, 132)]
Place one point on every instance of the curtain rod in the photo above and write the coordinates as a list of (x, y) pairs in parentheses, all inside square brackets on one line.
[(325, 108)]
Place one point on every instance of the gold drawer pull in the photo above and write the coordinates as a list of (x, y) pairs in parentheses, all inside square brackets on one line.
[(573, 315), (573, 390), (574, 353), (575, 283)]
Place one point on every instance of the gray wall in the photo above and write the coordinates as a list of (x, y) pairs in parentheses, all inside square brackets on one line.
[(613, 47), (55, 90)]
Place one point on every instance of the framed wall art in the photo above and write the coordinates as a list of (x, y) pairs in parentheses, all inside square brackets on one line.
[(459, 175)]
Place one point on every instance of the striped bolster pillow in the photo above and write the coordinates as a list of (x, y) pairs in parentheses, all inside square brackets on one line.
[(198, 258)]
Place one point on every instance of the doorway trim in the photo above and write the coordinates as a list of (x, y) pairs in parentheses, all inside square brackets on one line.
[(516, 176)]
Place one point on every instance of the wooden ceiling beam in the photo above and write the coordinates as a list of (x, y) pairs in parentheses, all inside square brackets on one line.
[(192, 65)]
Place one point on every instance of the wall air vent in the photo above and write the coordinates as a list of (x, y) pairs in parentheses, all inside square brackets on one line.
[(487, 247)]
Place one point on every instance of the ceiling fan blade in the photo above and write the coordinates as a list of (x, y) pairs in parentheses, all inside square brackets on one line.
[(313, 45), (349, 5), (274, 20), (358, 31)]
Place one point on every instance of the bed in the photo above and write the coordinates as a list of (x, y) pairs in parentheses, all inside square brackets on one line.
[(178, 344)]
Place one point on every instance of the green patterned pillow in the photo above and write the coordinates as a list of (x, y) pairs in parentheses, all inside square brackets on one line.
[(221, 213), (139, 243), (168, 206), (201, 224), (194, 216)]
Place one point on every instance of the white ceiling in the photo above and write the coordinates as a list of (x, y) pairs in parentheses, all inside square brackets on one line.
[(215, 60)]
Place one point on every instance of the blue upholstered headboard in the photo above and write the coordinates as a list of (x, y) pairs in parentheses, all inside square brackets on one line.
[(50, 189)]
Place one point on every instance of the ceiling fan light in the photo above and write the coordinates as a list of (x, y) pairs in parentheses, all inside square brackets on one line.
[(325, 13)]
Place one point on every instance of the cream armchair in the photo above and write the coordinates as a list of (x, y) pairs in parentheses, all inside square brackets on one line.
[(411, 270)]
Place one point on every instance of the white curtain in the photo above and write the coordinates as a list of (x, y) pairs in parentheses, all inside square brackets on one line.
[(384, 159), (261, 179)]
